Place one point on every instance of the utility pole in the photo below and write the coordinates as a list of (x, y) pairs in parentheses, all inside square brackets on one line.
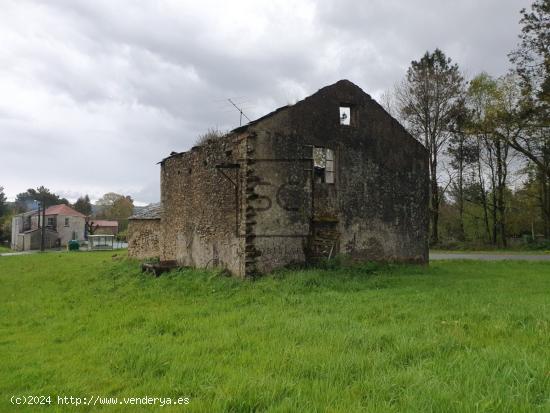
[(42, 240)]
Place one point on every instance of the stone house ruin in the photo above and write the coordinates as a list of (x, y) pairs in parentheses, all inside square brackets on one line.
[(144, 233), (331, 174)]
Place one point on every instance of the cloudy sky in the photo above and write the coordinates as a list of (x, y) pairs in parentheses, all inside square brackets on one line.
[(94, 93)]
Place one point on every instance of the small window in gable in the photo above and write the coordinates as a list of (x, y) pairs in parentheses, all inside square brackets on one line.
[(323, 165), (345, 115), (67, 222)]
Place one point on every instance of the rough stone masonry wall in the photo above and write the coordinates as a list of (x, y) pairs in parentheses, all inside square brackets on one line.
[(278, 202), (379, 201), (201, 207), (144, 238)]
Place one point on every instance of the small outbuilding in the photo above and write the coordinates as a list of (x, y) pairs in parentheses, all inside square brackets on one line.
[(101, 242), (102, 226), (144, 232)]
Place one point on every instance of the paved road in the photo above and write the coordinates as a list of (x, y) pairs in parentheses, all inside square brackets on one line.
[(8, 254), (116, 246), (488, 257)]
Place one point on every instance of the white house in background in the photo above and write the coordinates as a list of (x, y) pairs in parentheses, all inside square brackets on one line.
[(63, 224)]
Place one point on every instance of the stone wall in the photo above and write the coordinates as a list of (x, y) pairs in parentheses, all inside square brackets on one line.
[(203, 207), (377, 208), (144, 238), (251, 202)]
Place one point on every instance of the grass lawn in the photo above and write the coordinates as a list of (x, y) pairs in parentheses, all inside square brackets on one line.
[(455, 337), (493, 252)]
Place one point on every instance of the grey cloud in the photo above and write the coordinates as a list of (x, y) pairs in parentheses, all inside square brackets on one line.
[(93, 94)]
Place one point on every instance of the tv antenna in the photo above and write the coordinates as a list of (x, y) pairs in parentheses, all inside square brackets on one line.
[(240, 112)]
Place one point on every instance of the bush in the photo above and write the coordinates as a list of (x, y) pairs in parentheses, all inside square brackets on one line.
[(210, 135), (122, 236)]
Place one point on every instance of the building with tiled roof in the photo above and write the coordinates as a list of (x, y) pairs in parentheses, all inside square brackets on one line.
[(62, 224)]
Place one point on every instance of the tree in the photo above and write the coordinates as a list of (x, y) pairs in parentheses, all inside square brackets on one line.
[(83, 205), (116, 207), (4, 232), (532, 65), (25, 201), (3, 199), (532, 56), (463, 153), (428, 100), (122, 208), (492, 102), (108, 199)]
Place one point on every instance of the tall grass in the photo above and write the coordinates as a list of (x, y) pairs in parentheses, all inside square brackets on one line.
[(453, 337)]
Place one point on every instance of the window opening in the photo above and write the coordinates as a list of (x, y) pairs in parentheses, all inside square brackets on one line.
[(345, 115), (323, 165)]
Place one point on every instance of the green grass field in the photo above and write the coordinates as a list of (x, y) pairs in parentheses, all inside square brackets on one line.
[(454, 337), (493, 252), (4, 249)]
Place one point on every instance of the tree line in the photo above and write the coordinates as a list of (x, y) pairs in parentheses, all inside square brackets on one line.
[(488, 139)]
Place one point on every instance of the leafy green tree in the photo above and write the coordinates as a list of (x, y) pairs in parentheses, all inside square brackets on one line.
[(25, 200), (83, 205), (3, 200), (493, 102), (5, 232), (116, 207)]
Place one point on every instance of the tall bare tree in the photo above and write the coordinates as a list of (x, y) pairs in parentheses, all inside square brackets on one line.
[(532, 64), (428, 99), (463, 154)]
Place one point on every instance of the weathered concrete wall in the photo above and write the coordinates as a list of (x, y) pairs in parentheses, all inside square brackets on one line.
[(51, 239), (144, 238), (32, 240), (16, 229), (202, 209)]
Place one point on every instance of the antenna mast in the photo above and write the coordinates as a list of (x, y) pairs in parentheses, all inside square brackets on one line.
[(240, 112)]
